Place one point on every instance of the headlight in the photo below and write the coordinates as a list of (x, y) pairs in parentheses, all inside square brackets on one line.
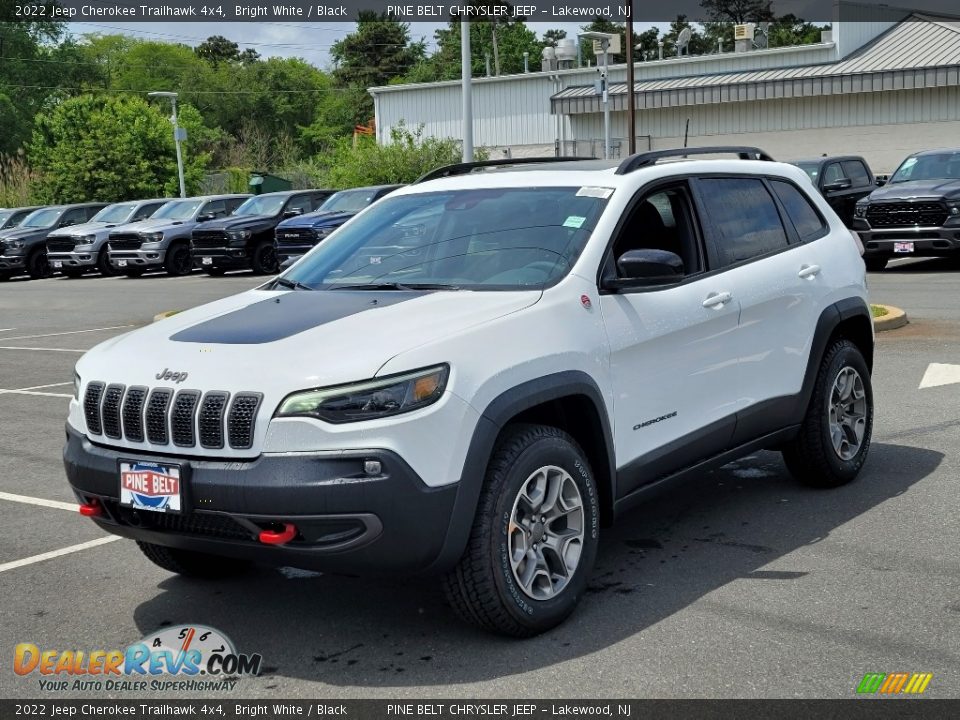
[(151, 237), (239, 234), (860, 210), (86, 240), (321, 232), (369, 400), (76, 386), (15, 244), (953, 207)]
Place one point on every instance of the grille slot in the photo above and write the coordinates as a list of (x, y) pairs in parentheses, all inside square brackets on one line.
[(906, 214), (182, 417), (91, 407), (110, 411), (211, 419), (60, 245), (210, 239), (156, 416), (133, 413), (242, 419), (125, 241)]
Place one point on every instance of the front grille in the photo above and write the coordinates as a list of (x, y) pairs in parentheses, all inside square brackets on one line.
[(110, 411), (161, 417), (906, 214), (125, 241), (91, 407), (61, 245), (133, 413), (243, 416), (210, 239), (181, 418), (296, 237)]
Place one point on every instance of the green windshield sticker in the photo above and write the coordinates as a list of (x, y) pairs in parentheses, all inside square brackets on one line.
[(574, 221)]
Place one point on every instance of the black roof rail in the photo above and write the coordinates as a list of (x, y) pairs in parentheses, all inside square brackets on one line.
[(645, 159), (464, 168)]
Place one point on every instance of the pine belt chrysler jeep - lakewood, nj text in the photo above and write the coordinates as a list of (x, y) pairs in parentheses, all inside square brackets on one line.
[(478, 372)]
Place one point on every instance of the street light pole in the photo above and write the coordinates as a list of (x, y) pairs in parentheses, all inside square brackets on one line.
[(178, 135), (465, 74), (631, 110)]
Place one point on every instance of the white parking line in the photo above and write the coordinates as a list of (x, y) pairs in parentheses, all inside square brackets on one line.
[(36, 349), (40, 387), (68, 332), (7, 329), (33, 391), (27, 500), (56, 553)]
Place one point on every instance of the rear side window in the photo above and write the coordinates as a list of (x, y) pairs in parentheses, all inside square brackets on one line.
[(745, 217), (807, 221), (857, 173)]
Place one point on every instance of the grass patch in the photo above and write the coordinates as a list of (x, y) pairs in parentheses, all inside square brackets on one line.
[(878, 311)]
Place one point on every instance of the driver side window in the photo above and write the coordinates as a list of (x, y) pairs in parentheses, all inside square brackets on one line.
[(662, 220)]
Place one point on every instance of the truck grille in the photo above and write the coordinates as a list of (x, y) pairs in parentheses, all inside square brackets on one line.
[(185, 419), (906, 214), (210, 239), (61, 245), (125, 241), (296, 237)]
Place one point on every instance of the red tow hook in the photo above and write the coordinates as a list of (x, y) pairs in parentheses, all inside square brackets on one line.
[(91, 509), (272, 537)]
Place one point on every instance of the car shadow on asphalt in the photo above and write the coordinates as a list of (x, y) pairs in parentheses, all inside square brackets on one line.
[(725, 526)]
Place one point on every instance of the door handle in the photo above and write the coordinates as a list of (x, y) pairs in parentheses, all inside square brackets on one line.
[(715, 300), (808, 271)]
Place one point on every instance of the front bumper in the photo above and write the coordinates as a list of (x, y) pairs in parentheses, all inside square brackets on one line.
[(927, 241), (73, 259), (225, 257), (123, 259), (348, 522), (286, 251), (11, 262)]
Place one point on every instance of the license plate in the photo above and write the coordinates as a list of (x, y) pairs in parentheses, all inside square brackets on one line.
[(57, 263), (206, 261), (903, 247), (150, 486), (121, 263)]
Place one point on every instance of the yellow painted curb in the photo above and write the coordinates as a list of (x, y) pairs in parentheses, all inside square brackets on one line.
[(163, 315), (895, 318)]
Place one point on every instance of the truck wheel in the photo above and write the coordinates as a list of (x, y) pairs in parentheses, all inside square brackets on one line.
[(534, 537), (37, 265), (265, 258), (875, 264), (179, 260), (835, 435), (103, 264), (191, 563)]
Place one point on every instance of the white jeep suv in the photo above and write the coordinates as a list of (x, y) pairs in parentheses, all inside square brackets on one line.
[(476, 374)]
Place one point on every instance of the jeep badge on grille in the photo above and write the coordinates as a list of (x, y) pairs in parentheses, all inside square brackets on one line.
[(168, 374)]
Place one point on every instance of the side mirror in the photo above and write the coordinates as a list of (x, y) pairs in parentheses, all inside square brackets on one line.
[(880, 181), (292, 213), (843, 184), (206, 217), (66, 223), (646, 267)]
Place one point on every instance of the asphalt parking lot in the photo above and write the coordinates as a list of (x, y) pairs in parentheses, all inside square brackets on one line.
[(742, 584)]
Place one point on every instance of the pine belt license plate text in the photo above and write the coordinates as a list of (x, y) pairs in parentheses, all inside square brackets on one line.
[(903, 247), (206, 261), (150, 486)]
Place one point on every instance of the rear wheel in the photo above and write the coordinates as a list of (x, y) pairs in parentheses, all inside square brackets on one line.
[(179, 260), (37, 265), (835, 435), (103, 264), (191, 563), (265, 258), (876, 264), (534, 537)]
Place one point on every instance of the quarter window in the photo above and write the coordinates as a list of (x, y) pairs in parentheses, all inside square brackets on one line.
[(745, 217), (802, 214)]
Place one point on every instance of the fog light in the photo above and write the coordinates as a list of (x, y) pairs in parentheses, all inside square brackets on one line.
[(372, 467)]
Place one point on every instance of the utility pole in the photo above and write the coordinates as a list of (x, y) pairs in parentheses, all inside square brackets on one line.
[(496, 52), (178, 136), (465, 74), (631, 110)]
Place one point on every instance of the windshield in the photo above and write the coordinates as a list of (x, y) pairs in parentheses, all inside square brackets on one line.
[(494, 239), (811, 169), (115, 213), (42, 218), (177, 210), (263, 205), (937, 166), (351, 201)]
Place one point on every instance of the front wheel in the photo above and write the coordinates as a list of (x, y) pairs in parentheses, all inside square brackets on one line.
[(104, 266), (534, 537), (834, 438), (37, 265), (192, 563), (179, 260), (264, 260)]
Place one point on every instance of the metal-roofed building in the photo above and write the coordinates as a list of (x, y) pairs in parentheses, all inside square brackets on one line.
[(881, 86)]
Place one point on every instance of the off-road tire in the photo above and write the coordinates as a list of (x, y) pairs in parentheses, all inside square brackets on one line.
[(191, 563), (264, 259), (482, 588), (811, 456)]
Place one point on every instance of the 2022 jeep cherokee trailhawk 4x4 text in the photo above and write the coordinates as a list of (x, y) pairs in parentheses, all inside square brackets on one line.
[(477, 373)]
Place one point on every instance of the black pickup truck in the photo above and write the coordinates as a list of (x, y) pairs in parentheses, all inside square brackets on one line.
[(244, 239), (841, 179), (916, 213)]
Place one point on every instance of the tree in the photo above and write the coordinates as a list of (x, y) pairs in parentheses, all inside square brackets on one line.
[(738, 11), (553, 36), (791, 30), (113, 148), (217, 49)]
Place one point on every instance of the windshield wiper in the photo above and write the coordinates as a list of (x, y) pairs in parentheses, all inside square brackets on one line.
[(290, 284), (396, 286)]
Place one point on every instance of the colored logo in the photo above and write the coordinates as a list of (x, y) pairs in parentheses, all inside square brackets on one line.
[(150, 486), (899, 683)]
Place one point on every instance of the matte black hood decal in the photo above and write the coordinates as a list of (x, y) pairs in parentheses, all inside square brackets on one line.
[(289, 314)]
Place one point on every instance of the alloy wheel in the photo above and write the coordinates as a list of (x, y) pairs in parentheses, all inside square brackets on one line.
[(848, 413)]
